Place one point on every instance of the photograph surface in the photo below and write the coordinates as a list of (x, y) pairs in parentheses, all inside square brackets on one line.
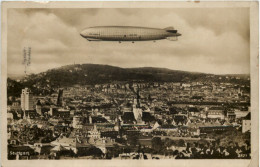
[(128, 83)]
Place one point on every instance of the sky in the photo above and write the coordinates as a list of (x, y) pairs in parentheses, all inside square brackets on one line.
[(214, 40)]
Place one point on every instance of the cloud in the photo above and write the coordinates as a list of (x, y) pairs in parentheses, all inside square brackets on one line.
[(213, 40)]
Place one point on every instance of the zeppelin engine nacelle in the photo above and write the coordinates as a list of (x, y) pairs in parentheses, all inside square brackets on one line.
[(127, 33)]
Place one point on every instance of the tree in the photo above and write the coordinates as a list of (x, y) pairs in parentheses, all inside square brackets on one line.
[(157, 144), (95, 151), (132, 140), (181, 143), (173, 110), (116, 150), (71, 153), (168, 142)]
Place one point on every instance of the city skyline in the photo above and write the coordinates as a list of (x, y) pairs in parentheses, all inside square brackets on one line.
[(213, 40), (117, 121)]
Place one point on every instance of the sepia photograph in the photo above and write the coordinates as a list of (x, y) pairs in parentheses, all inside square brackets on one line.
[(107, 82)]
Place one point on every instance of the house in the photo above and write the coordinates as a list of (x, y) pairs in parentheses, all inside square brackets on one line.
[(180, 119), (31, 114), (193, 111), (246, 123), (231, 116), (42, 148), (210, 129), (216, 113), (75, 144)]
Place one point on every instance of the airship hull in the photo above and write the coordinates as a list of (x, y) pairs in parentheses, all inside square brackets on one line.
[(121, 33)]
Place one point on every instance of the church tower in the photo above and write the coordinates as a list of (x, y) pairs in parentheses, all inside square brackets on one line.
[(137, 110)]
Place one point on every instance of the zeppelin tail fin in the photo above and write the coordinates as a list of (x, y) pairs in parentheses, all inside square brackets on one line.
[(169, 28)]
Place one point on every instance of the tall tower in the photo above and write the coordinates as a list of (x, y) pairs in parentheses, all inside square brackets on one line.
[(137, 103), (26, 100), (137, 110), (60, 98), (118, 126)]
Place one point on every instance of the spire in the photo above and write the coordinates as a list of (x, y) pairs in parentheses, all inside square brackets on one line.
[(138, 97), (38, 103), (95, 127)]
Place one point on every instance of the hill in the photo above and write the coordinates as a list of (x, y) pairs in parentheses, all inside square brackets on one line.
[(90, 74)]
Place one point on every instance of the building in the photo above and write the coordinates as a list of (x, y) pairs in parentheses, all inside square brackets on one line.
[(219, 129), (193, 111), (39, 107), (246, 123), (31, 114), (94, 133), (180, 119), (15, 106), (60, 98), (76, 144), (137, 110), (137, 115), (110, 134), (26, 99), (231, 116), (216, 113), (59, 112), (77, 122)]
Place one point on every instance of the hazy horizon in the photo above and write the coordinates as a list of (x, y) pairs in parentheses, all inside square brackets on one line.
[(23, 75)]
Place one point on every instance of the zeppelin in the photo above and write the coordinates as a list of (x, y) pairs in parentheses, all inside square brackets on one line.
[(127, 33)]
